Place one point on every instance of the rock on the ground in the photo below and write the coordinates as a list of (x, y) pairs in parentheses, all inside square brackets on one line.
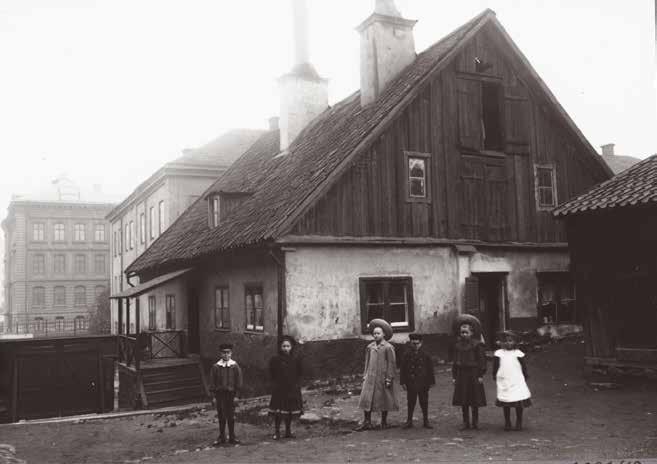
[(310, 418)]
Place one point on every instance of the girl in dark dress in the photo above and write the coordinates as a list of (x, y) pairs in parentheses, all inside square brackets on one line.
[(468, 375), (285, 403)]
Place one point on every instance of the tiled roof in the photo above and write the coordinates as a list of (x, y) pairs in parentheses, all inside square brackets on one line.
[(281, 183), (223, 150), (619, 163), (637, 186)]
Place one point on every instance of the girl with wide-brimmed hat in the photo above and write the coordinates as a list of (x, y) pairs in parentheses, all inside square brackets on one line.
[(285, 371), (379, 387)]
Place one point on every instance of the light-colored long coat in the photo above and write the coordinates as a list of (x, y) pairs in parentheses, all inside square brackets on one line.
[(380, 365)]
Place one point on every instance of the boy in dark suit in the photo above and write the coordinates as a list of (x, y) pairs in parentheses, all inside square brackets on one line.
[(417, 377), (225, 384)]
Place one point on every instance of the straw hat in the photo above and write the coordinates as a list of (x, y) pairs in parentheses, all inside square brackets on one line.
[(467, 319), (387, 328)]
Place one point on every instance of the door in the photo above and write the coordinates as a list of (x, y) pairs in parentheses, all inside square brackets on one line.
[(194, 343), (485, 298)]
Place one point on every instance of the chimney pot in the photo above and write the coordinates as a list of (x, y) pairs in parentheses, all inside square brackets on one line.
[(608, 149), (273, 123)]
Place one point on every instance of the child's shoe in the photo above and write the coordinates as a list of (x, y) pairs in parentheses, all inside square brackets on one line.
[(426, 424), (366, 425), (408, 424), (234, 441), (219, 441)]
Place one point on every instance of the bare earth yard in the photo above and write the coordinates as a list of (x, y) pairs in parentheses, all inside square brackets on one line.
[(569, 420)]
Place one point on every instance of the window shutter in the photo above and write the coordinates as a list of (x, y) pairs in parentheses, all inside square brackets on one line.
[(472, 197), (497, 200), (517, 119), (471, 296), (469, 113)]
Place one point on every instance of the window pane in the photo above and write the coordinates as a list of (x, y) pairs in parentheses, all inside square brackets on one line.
[(418, 188), (544, 177), (374, 293), (398, 314), (257, 300), (374, 311), (545, 196), (397, 292), (416, 167)]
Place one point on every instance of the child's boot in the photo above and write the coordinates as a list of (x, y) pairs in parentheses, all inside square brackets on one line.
[(288, 427), (466, 418), (231, 433), (425, 423), (475, 418), (367, 422), (507, 418), (518, 418), (384, 420)]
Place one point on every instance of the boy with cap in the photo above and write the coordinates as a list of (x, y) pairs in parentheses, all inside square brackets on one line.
[(225, 384), (417, 377)]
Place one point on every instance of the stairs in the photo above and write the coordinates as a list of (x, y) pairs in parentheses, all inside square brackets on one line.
[(168, 385)]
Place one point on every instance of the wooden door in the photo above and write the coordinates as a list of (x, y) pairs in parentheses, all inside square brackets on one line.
[(78, 382)]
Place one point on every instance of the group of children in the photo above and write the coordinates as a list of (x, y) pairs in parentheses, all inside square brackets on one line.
[(379, 391)]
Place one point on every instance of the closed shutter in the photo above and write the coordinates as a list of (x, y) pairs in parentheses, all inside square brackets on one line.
[(517, 119), (469, 114), (472, 197), (471, 296), (496, 201)]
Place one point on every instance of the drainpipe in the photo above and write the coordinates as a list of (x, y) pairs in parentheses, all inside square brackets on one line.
[(280, 263)]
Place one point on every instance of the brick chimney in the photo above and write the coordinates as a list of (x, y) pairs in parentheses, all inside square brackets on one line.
[(304, 94), (387, 46), (608, 149)]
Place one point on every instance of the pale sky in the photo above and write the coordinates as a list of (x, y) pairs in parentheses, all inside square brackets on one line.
[(109, 90)]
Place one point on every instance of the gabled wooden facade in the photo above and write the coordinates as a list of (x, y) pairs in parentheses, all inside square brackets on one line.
[(480, 188)]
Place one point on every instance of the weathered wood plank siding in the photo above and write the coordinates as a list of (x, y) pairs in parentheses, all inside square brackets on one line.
[(473, 193)]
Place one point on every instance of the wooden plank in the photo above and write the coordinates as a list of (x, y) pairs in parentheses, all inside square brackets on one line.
[(512, 200), (521, 197), (451, 155)]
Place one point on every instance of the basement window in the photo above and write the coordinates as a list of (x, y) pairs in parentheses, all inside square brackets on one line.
[(556, 298), (491, 104), (387, 298)]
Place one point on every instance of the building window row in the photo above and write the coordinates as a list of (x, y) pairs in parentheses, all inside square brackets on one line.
[(253, 308), (59, 232), (59, 264), (126, 238), (59, 295), (40, 325)]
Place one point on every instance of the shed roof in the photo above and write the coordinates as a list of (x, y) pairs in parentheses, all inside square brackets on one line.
[(637, 186)]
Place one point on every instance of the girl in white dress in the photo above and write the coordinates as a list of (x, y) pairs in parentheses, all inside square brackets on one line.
[(510, 375)]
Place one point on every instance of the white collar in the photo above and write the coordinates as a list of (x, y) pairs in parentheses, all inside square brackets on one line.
[(228, 363)]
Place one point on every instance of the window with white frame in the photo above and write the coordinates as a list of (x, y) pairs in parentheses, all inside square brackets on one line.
[(151, 222), (389, 298), (38, 232), (160, 216), (99, 233), (59, 232), (214, 210), (132, 234), (254, 308), (80, 265), (152, 313), (170, 305), (80, 296), (59, 296), (142, 229), (546, 190), (79, 233), (39, 264), (59, 264), (99, 264), (38, 297), (221, 308)]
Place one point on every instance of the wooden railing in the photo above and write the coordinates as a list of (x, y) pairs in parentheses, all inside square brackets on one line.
[(129, 353), (165, 344)]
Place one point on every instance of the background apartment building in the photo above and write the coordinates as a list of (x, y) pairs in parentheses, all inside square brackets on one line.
[(155, 204), (56, 259)]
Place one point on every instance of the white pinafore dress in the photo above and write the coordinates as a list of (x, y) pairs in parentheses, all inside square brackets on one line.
[(511, 385)]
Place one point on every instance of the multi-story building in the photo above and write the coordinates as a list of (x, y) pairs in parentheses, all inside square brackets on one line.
[(56, 259), (157, 202)]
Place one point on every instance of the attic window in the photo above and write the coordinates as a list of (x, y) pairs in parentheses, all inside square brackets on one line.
[(417, 175), (214, 210), (491, 105), (546, 195)]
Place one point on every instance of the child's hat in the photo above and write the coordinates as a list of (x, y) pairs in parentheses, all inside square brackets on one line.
[(225, 346), (467, 319), (383, 324)]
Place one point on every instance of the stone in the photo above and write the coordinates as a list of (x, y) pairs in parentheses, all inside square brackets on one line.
[(181, 451), (309, 418)]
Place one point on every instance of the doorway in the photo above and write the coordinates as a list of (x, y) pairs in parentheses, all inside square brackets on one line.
[(486, 298)]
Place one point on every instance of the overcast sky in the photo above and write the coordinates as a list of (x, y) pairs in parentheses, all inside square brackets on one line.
[(108, 90)]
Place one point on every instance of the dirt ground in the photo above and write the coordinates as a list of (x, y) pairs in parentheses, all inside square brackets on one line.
[(570, 420)]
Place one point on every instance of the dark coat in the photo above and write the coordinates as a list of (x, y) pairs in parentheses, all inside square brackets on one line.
[(468, 367), (416, 370), (285, 372)]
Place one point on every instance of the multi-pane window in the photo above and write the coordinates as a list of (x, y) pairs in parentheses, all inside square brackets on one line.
[(160, 216), (99, 264), (214, 206), (142, 228), (152, 311), (546, 195), (38, 297), (556, 298), (38, 324), (151, 221), (120, 239), (59, 232), (115, 241), (39, 264), (59, 323), (126, 237), (417, 177), (170, 312), (221, 308), (59, 264), (80, 264), (254, 306), (132, 234), (79, 233), (38, 231), (80, 323), (99, 233), (80, 296), (387, 298), (59, 296)]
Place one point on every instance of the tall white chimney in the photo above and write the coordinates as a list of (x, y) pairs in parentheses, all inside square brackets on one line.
[(304, 94), (608, 149), (387, 46)]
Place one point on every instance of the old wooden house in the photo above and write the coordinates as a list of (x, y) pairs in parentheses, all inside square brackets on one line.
[(612, 236), (425, 194)]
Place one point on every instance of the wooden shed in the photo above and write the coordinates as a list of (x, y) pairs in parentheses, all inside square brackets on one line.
[(612, 237)]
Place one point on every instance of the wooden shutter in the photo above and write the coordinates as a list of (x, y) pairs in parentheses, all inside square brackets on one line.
[(496, 200), (517, 119), (469, 113), (471, 304), (472, 197)]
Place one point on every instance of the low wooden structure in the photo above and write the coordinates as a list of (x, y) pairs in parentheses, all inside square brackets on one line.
[(49, 377), (612, 235)]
